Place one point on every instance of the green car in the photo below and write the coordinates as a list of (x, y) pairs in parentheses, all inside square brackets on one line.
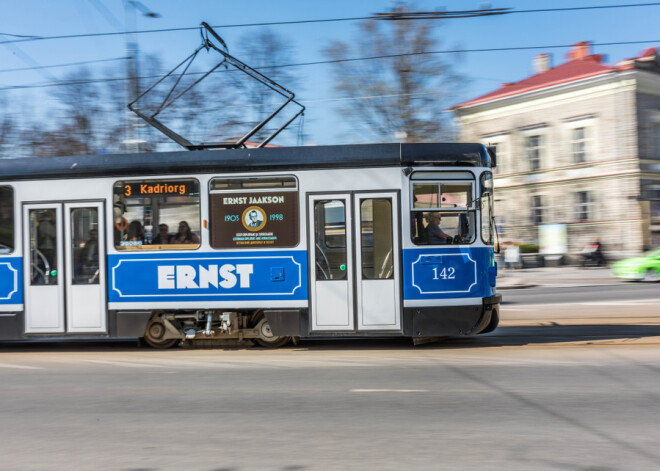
[(646, 267)]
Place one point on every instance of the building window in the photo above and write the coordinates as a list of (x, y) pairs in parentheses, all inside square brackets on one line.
[(500, 143), (254, 212), (6, 219), (655, 141), (156, 214), (499, 153), (583, 205), (533, 151), (579, 145), (537, 209)]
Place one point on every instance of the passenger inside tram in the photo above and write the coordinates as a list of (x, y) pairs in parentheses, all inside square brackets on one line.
[(185, 235), (87, 265), (135, 232), (163, 236)]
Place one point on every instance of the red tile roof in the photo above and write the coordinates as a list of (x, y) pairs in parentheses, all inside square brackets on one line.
[(580, 66)]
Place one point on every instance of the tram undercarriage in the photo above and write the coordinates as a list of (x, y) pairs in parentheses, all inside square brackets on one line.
[(276, 328), (211, 327)]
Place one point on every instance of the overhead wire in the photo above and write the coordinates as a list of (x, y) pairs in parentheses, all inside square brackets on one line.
[(412, 16), (66, 64), (352, 59), (30, 61)]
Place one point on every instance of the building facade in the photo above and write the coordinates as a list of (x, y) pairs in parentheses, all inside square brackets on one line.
[(578, 145)]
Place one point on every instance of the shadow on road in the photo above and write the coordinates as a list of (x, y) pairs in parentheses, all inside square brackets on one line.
[(551, 334), (509, 336), (106, 345)]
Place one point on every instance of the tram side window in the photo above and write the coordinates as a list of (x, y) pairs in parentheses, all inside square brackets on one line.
[(442, 213), (6, 219), (254, 212), (330, 239), (487, 220), (156, 215)]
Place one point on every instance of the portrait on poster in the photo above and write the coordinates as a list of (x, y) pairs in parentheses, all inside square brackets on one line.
[(254, 218)]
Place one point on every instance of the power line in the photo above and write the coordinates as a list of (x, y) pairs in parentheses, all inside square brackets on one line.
[(595, 7), (17, 35), (442, 14), (353, 59), (381, 16), (318, 100), (30, 61), (95, 35), (68, 64)]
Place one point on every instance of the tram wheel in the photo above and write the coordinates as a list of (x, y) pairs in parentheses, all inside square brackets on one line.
[(494, 322), (155, 332), (266, 337)]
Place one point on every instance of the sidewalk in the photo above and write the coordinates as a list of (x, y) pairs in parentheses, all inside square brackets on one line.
[(558, 277)]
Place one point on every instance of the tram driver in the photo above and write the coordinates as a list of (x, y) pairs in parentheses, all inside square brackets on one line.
[(435, 234)]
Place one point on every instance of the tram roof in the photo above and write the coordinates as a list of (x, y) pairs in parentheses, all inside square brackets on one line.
[(241, 160)]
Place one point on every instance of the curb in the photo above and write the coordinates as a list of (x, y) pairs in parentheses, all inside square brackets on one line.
[(551, 285), (517, 286)]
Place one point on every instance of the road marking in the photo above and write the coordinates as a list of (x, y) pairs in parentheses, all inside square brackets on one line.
[(634, 302), (124, 363), (388, 390), (22, 367), (526, 307)]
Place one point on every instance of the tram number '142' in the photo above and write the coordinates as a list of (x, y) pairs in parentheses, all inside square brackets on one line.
[(445, 274)]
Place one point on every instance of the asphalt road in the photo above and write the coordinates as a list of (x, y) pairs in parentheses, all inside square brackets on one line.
[(578, 394), (616, 291), (620, 303)]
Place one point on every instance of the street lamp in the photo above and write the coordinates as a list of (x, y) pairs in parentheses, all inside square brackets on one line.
[(133, 140)]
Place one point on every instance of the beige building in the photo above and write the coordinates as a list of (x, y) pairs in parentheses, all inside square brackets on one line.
[(577, 144)]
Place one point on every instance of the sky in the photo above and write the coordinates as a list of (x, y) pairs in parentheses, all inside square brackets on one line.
[(484, 71)]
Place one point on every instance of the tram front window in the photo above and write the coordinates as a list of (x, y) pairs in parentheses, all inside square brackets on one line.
[(443, 212), (443, 228)]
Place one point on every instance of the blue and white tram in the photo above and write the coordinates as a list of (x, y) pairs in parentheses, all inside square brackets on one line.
[(243, 245)]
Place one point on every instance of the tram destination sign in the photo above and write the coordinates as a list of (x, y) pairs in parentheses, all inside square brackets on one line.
[(160, 188), (254, 219)]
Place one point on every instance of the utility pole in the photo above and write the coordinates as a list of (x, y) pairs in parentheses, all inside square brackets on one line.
[(133, 141)]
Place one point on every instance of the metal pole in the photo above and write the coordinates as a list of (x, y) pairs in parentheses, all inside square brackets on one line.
[(132, 142)]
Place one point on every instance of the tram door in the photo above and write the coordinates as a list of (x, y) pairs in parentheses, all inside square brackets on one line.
[(354, 262), (64, 267)]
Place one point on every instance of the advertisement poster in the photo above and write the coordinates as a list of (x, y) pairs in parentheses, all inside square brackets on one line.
[(254, 220), (552, 239)]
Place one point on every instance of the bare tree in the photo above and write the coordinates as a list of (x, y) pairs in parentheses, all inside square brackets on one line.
[(70, 129), (265, 51), (91, 116), (7, 126), (403, 96)]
